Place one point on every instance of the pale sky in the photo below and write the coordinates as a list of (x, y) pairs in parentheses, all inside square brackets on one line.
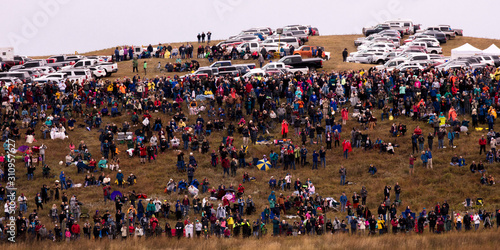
[(48, 27)]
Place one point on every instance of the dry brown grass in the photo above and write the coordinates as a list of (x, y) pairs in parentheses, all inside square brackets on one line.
[(423, 189), (484, 240)]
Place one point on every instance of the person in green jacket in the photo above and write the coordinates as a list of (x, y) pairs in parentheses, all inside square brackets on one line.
[(134, 65), (102, 163), (145, 67), (150, 209), (276, 226)]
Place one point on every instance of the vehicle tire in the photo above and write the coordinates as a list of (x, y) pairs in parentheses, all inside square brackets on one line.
[(448, 37), (434, 52), (381, 62), (312, 69), (107, 73)]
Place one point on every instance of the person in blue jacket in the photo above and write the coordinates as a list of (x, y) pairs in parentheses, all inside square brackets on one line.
[(119, 178), (343, 202), (424, 159)]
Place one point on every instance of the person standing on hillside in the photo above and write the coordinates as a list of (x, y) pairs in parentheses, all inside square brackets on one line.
[(482, 145), (145, 67), (199, 37), (209, 36), (343, 202), (134, 65), (344, 55), (343, 173), (202, 37)]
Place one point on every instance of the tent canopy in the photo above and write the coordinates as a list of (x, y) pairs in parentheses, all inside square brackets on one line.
[(465, 50), (493, 50)]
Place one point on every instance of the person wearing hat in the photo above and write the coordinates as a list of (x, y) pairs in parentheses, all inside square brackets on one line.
[(119, 178)]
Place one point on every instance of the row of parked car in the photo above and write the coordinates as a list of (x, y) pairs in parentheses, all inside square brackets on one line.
[(290, 38), (57, 68), (287, 64), (289, 41), (384, 44)]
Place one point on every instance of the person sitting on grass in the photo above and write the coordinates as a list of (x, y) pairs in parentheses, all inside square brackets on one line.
[(454, 160), (372, 170), (461, 161), (491, 180)]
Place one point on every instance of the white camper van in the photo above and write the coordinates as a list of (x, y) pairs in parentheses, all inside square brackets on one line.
[(7, 53)]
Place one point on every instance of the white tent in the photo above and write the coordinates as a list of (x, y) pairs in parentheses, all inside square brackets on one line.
[(465, 50), (493, 50)]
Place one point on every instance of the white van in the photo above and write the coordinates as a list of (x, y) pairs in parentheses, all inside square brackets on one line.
[(290, 40)]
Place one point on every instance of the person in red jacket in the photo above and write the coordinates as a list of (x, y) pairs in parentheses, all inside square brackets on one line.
[(143, 153), (284, 129), (418, 131), (482, 145), (346, 145), (225, 165), (75, 230)]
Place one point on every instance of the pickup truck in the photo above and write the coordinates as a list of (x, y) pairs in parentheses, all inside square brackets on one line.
[(450, 34), (85, 63), (275, 66), (376, 29), (444, 27), (296, 61), (7, 64), (306, 51)]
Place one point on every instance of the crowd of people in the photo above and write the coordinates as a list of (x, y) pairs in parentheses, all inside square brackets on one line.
[(248, 109)]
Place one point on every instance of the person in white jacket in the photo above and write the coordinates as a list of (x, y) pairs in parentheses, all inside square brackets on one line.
[(198, 228), (477, 221), (189, 230)]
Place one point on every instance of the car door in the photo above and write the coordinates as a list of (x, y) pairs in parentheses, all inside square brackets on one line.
[(306, 51)]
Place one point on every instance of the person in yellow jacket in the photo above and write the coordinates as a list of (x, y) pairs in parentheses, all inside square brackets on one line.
[(492, 112), (230, 223), (110, 87), (442, 119), (497, 74), (131, 214), (151, 86), (381, 225)]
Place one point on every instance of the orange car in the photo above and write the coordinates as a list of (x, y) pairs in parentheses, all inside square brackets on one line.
[(307, 51)]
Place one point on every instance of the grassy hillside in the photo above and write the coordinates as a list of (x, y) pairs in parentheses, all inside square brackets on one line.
[(423, 189)]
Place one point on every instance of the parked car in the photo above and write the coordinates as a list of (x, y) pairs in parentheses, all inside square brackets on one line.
[(391, 64), (364, 57), (229, 70), (450, 34), (440, 36), (78, 74), (444, 27), (109, 67), (275, 66), (296, 61), (23, 76), (275, 47), (7, 81), (220, 64), (97, 71), (306, 51), (406, 26), (294, 41), (53, 77), (376, 29)]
